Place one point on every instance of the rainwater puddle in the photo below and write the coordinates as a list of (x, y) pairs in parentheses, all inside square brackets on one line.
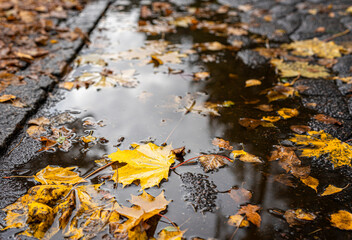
[(165, 107)]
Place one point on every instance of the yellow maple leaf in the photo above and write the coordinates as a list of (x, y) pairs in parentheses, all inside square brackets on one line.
[(320, 143), (58, 175), (299, 68), (316, 47), (147, 163)]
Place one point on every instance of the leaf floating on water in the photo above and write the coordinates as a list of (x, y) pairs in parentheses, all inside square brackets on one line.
[(331, 189), (271, 118), (251, 213), (288, 112), (298, 217), (210, 46), (253, 82), (316, 144), (170, 233), (311, 182), (221, 143), (147, 163), (201, 76), (211, 162), (265, 108), (251, 123), (57, 176), (38, 126), (245, 157), (240, 195), (300, 128), (304, 69), (238, 221), (316, 47), (342, 220)]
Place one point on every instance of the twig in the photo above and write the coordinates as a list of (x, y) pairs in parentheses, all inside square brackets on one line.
[(15, 146), (173, 224), (234, 233), (98, 170), (337, 35), (19, 177)]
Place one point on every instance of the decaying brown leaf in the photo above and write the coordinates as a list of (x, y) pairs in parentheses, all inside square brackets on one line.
[(251, 123), (211, 162), (221, 143), (327, 119), (37, 127), (250, 211), (240, 195), (300, 128), (298, 217)]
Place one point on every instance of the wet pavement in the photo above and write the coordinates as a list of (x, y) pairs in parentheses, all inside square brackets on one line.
[(131, 97)]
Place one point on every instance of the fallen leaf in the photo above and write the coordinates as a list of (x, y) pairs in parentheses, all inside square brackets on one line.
[(271, 118), (252, 82), (210, 46), (327, 119), (285, 179), (342, 220), (7, 97), (201, 76), (245, 157), (238, 220), (147, 163), (299, 68), (38, 128), (316, 47), (300, 128), (211, 162), (251, 213), (316, 144), (331, 189), (311, 182), (170, 233), (251, 123), (288, 112), (265, 107), (298, 217), (240, 195), (221, 143), (57, 175)]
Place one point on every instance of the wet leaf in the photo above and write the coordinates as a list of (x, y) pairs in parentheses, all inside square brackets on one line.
[(252, 82), (240, 195), (300, 128), (331, 189), (210, 46), (316, 47), (245, 157), (327, 119), (288, 112), (251, 212), (221, 143), (342, 220), (201, 76), (211, 162), (311, 182), (304, 69), (57, 175), (316, 144), (238, 221), (170, 233), (298, 217), (285, 179), (147, 163), (38, 126), (7, 97), (145, 207), (251, 123), (265, 108), (280, 91), (271, 118)]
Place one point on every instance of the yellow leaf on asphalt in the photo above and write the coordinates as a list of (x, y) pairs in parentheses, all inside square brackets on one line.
[(288, 112), (7, 97), (147, 163), (271, 118), (320, 143), (245, 157), (304, 69), (316, 47), (342, 220), (331, 189)]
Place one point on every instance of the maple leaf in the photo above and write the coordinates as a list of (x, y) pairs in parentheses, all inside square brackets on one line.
[(316, 47), (57, 175), (316, 144), (211, 162), (147, 163), (250, 211), (145, 207), (299, 68)]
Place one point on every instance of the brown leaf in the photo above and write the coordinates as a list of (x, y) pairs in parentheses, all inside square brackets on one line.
[(298, 217), (285, 179), (327, 119), (300, 128), (201, 76), (251, 123), (240, 195), (211, 162), (251, 213), (265, 107), (221, 143), (7, 97)]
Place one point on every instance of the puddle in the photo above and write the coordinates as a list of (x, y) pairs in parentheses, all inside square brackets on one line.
[(159, 109)]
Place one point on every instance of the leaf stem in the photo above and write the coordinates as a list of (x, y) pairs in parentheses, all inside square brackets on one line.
[(173, 224), (18, 177)]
